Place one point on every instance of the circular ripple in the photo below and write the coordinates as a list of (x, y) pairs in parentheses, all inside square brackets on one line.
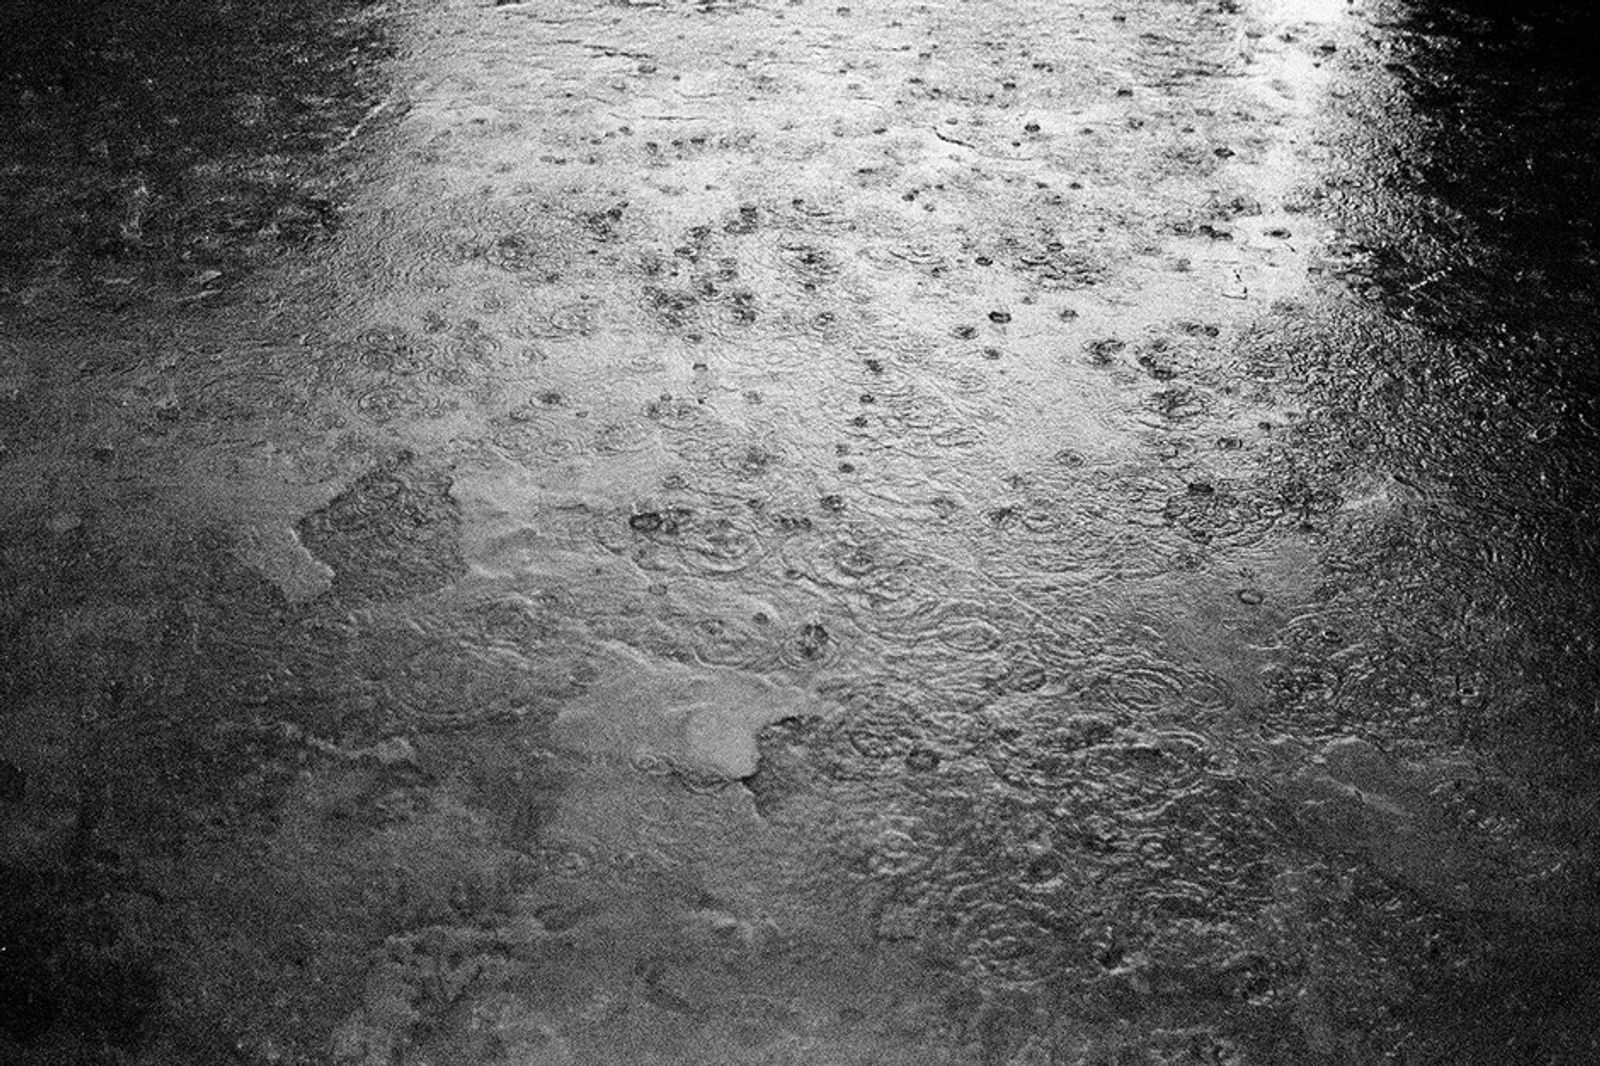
[(811, 645), (855, 560), (537, 432), (1174, 405), (624, 437), (386, 401), (720, 545), (967, 379), (440, 688), (742, 644), (1145, 775), (964, 626), (878, 729), (391, 350), (1211, 513)]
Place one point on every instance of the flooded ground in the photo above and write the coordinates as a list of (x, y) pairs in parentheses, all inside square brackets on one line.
[(712, 532)]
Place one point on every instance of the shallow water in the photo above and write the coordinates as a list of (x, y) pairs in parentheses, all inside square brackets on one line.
[(722, 532)]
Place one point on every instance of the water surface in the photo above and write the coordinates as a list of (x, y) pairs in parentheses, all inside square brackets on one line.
[(756, 533)]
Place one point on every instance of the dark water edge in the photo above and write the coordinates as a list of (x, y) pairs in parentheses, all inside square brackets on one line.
[(1479, 221), (1494, 130), (1469, 211), (153, 155), (172, 143)]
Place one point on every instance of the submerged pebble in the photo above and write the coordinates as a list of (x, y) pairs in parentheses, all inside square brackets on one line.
[(813, 640)]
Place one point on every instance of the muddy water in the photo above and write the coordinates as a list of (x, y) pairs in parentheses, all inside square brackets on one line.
[(716, 532)]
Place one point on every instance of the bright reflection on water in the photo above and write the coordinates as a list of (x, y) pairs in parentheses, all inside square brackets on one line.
[(1318, 11)]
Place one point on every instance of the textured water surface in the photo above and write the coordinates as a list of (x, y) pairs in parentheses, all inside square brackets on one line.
[(734, 532)]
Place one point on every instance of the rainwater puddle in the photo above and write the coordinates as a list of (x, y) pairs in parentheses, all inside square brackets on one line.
[(720, 532)]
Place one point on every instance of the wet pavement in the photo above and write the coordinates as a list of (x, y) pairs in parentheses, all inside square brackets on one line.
[(716, 532)]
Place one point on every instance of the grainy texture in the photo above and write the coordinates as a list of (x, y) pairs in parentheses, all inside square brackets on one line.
[(715, 532)]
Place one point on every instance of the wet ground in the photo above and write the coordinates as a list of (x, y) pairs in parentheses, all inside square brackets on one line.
[(716, 532)]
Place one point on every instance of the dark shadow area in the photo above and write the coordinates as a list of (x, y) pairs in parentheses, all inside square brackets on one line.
[(70, 977), (1491, 241), (1502, 145), (159, 745), (172, 130), (1508, 101)]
